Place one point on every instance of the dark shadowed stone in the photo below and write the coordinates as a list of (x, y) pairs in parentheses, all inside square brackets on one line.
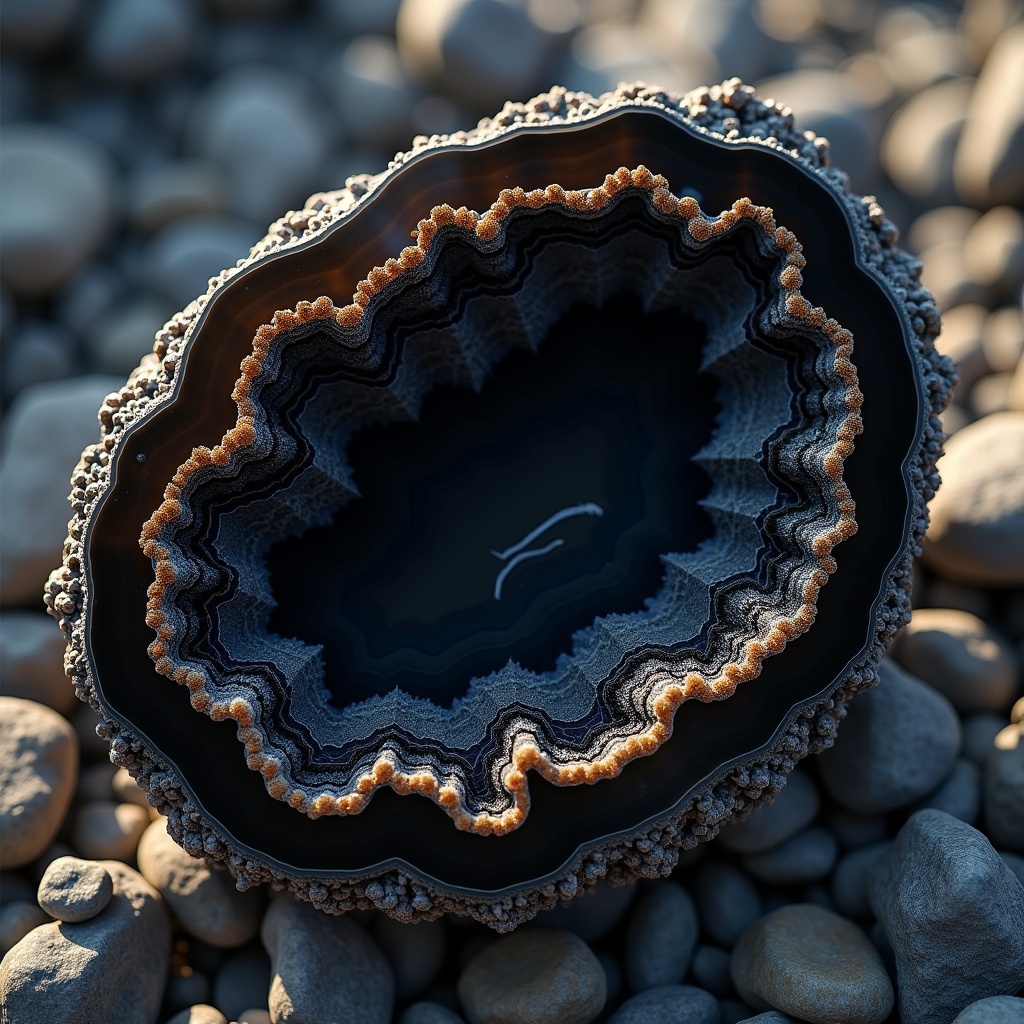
[(852, 829), (429, 1013), (993, 1010), (980, 730), (661, 937), (813, 964), (769, 1017), (792, 810), (32, 660), (242, 982), (415, 951), (849, 885), (959, 793), (954, 914), (897, 744), (594, 914), (1004, 789), (306, 948), (17, 919), (109, 968), (74, 890), (669, 1004), (804, 858), (728, 901)]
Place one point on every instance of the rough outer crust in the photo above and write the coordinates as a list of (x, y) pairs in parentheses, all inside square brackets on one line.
[(730, 112)]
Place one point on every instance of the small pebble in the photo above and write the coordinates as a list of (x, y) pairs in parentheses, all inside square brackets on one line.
[(795, 806), (959, 794), (954, 914), (804, 858), (994, 250), (849, 884), (32, 660), (36, 351), (1003, 339), (852, 829), (728, 901), (306, 946), (74, 890), (120, 336), (813, 964), (255, 1017), (200, 1013), (980, 731), (669, 1004), (1004, 790), (1015, 863), (769, 1017), (415, 952), (204, 900), (243, 981), (709, 968), (661, 937), (104, 829), (993, 1010), (897, 744), (592, 915), (38, 768), (959, 655), (164, 192), (429, 1013), (136, 40), (533, 976)]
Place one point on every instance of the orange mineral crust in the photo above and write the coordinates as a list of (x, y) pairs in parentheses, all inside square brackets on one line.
[(581, 515)]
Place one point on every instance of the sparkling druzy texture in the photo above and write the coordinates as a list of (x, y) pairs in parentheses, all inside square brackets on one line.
[(676, 426)]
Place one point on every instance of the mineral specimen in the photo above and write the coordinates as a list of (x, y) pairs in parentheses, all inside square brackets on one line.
[(551, 501)]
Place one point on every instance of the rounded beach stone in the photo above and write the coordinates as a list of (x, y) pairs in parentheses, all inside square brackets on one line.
[(17, 919), (306, 947), (243, 981), (127, 790), (44, 429), (959, 794), (1015, 863), (592, 915), (728, 901), (954, 915), (429, 1013), (137, 40), (56, 205), (977, 518), (811, 963), (36, 351), (960, 656), (205, 902), (166, 191), (105, 829), (804, 858), (795, 806), (534, 976), (852, 829), (993, 1010), (38, 769), (661, 937), (74, 890), (980, 731), (112, 967), (897, 744), (849, 883), (994, 250), (709, 968), (32, 660), (1003, 339), (199, 1013), (415, 952), (669, 1004), (1004, 790)]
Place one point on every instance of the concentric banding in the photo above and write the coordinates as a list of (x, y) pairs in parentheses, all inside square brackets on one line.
[(752, 616)]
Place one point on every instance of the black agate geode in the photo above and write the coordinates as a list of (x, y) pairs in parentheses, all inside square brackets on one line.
[(551, 501)]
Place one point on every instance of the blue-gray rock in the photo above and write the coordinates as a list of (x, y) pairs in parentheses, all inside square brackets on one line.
[(849, 883), (993, 1010), (959, 793), (199, 1013), (661, 937), (56, 205), (959, 655), (17, 918), (669, 1004), (769, 1017), (1015, 863), (792, 810), (121, 336), (429, 1013), (813, 964), (728, 901), (36, 351), (1004, 790), (534, 976), (804, 858), (132, 41), (897, 744), (415, 951), (112, 967), (74, 890), (32, 660), (243, 982), (349, 19), (954, 914), (31, 25), (592, 915), (980, 730), (709, 968), (306, 947), (164, 192), (852, 829)]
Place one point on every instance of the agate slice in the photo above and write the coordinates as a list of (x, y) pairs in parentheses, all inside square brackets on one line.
[(457, 575)]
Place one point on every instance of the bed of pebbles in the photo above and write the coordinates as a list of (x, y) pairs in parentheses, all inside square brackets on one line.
[(146, 144)]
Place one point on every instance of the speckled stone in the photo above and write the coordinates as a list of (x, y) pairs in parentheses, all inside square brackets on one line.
[(954, 914), (669, 1004), (1004, 790), (534, 976), (961, 657), (805, 858), (813, 964), (74, 890), (306, 947), (897, 744), (205, 901), (661, 937), (993, 1010), (792, 810), (728, 901), (38, 768)]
